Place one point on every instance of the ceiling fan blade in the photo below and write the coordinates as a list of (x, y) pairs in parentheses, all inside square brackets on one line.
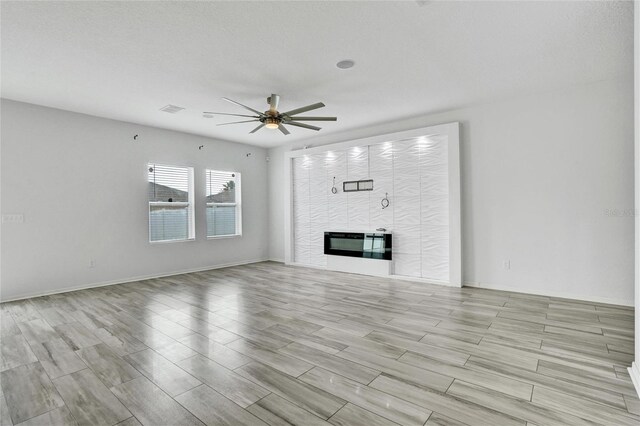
[(243, 106), (313, 118), (257, 128), (283, 129), (234, 115), (306, 126), (303, 109), (274, 100), (236, 122)]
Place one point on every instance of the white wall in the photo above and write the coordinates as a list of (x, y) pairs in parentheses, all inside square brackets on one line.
[(412, 172), (80, 182), (635, 370), (539, 174)]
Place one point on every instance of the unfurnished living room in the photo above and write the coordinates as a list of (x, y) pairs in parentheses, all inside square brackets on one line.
[(319, 213)]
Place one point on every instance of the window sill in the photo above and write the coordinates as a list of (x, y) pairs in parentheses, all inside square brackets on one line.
[(172, 241), (223, 237)]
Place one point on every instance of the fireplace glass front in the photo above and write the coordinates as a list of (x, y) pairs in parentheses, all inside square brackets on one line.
[(357, 244)]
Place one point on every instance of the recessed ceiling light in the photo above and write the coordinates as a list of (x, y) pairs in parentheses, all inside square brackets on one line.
[(345, 64)]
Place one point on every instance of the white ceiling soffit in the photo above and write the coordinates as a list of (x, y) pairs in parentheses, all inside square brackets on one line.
[(126, 60)]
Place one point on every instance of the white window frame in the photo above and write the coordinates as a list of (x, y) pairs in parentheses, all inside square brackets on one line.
[(190, 204), (237, 204)]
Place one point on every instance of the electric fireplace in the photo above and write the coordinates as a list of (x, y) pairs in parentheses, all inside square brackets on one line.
[(358, 244)]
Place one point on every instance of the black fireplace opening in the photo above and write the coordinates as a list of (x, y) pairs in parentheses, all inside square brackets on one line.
[(358, 244)]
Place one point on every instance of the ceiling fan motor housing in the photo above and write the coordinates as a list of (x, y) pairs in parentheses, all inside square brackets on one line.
[(272, 122)]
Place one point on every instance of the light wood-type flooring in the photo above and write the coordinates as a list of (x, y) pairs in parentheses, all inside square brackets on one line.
[(270, 344)]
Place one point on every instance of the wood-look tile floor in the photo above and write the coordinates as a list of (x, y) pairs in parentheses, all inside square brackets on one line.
[(269, 344)]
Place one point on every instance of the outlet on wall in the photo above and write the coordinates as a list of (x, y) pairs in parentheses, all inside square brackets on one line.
[(92, 263), (506, 264)]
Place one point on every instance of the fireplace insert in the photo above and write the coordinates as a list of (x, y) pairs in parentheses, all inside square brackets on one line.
[(358, 244)]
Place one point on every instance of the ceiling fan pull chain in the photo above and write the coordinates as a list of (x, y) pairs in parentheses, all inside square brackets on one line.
[(334, 190)]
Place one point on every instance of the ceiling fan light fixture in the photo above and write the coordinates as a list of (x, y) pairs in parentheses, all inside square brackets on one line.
[(272, 118), (271, 123)]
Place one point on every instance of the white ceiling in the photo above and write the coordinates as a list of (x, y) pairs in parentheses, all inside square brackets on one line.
[(125, 60)]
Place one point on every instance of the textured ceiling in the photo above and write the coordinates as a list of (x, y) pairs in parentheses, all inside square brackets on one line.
[(125, 60)]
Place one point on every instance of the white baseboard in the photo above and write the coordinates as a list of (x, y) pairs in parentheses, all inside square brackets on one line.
[(130, 279), (558, 294), (634, 372), (423, 280), (276, 260), (395, 277)]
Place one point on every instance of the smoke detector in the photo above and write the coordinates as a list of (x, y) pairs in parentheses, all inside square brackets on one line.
[(345, 64)]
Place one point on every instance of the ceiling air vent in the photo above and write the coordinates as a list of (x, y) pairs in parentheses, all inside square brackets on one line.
[(172, 109)]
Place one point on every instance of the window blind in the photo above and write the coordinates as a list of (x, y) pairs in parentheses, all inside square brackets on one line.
[(170, 190), (223, 203)]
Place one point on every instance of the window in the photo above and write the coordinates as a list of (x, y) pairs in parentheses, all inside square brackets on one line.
[(224, 217), (170, 203)]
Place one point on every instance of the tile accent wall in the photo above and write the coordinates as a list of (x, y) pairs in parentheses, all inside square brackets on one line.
[(414, 173)]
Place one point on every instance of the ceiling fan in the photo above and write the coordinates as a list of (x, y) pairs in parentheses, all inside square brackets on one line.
[(273, 119)]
